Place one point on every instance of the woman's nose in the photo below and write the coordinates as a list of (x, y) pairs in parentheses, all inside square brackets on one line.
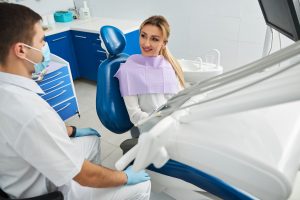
[(147, 43)]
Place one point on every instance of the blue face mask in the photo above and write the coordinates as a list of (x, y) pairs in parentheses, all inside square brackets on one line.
[(46, 58)]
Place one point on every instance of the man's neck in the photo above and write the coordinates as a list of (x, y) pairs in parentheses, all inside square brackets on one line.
[(16, 68)]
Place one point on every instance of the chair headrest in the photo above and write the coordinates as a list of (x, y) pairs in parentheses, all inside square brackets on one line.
[(113, 39)]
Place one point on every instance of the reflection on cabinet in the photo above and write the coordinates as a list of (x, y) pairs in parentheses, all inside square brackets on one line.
[(61, 44), (88, 52)]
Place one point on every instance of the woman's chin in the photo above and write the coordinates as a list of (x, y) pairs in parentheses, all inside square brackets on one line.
[(150, 54)]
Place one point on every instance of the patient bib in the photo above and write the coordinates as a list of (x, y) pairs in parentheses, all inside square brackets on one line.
[(147, 75)]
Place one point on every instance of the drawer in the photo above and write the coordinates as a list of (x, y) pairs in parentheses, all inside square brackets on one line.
[(56, 96), (54, 75), (55, 84), (66, 109)]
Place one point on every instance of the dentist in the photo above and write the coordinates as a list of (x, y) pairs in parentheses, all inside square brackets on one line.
[(36, 154)]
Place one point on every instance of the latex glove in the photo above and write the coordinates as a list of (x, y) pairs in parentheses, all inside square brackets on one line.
[(136, 177), (86, 131)]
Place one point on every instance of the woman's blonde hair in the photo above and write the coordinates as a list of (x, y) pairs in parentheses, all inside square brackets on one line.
[(163, 25)]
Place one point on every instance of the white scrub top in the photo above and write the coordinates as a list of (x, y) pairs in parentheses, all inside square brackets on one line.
[(36, 154)]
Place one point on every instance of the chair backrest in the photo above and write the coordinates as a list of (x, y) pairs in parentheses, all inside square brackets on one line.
[(110, 105)]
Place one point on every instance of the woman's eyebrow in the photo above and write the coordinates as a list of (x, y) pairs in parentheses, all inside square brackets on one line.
[(155, 36)]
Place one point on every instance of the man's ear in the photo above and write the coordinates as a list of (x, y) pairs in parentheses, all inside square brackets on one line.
[(19, 50)]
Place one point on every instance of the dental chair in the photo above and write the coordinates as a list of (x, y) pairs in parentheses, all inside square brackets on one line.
[(57, 195), (112, 112)]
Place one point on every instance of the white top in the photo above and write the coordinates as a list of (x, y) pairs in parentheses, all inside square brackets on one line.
[(140, 106), (35, 151)]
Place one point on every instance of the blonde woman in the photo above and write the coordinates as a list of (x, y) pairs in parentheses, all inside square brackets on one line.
[(149, 79)]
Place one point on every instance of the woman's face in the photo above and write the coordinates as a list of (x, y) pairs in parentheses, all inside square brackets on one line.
[(151, 40)]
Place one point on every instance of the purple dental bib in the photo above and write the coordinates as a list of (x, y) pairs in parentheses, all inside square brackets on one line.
[(147, 75)]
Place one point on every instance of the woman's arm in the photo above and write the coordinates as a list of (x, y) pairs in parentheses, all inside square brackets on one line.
[(134, 110)]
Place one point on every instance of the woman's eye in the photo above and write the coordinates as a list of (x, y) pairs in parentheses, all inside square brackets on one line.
[(155, 39), (143, 36)]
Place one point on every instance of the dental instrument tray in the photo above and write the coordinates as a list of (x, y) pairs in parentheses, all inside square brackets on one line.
[(63, 16)]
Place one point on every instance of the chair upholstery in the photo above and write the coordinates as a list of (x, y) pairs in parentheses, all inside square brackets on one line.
[(57, 195), (110, 105)]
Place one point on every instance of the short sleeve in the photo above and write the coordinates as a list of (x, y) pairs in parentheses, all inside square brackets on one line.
[(43, 142)]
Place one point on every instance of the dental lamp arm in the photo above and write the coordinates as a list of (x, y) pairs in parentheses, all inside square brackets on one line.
[(256, 67)]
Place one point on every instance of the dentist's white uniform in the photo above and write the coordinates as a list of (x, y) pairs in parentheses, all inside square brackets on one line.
[(36, 154)]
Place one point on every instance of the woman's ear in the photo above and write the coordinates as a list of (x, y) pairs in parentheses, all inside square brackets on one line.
[(165, 44)]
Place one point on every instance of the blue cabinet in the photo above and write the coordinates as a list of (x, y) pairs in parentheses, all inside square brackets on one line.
[(88, 52), (59, 92), (83, 51), (61, 44), (132, 43)]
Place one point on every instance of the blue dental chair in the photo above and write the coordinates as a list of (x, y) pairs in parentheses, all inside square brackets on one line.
[(113, 114)]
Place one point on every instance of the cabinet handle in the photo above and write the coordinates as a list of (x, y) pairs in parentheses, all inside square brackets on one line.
[(99, 51), (79, 36), (53, 76), (59, 38), (56, 95), (64, 107), (61, 82)]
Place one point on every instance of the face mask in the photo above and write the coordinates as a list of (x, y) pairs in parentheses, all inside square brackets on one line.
[(46, 58)]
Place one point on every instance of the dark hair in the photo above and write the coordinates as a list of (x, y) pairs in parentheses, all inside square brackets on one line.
[(17, 25)]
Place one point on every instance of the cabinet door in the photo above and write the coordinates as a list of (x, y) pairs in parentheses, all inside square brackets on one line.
[(59, 92), (89, 54), (99, 53), (132, 43), (61, 44)]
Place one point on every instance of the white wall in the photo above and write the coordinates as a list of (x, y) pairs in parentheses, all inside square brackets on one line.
[(44, 7), (235, 27)]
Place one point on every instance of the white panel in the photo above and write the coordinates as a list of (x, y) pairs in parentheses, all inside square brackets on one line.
[(252, 31), (46, 6), (250, 10), (248, 52), (224, 8), (197, 25)]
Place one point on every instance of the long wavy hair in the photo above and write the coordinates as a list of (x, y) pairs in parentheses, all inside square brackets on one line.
[(163, 25)]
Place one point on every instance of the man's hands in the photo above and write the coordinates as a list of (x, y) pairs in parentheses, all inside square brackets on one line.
[(85, 132), (79, 132), (135, 177)]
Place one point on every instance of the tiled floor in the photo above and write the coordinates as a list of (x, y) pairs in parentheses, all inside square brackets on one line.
[(110, 151)]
